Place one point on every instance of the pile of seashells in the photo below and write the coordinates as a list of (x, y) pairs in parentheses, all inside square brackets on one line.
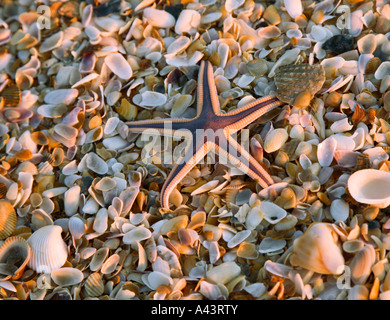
[(80, 215)]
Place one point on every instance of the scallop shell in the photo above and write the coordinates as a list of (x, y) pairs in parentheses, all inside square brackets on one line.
[(8, 219), (370, 186), (292, 80), (49, 251), (15, 249), (318, 250)]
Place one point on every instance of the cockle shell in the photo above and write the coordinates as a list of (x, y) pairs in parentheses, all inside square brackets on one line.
[(318, 250), (94, 286), (48, 249), (8, 219), (15, 249), (370, 186), (292, 80)]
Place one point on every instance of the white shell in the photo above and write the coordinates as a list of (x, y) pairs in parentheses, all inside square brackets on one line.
[(159, 18), (223, 273), (72, 200), (65, 96), (76, 227), (325, 151), (96, 164), (187, 21), (136, 234), (294, 8), (339, 209), (48, 249), (67, 276), (118, 65), (370, 186), (272, 212)]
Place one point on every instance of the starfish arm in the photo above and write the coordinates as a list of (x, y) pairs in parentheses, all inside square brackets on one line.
[(207, 91), (240, 158), (245, 115), (180, 170), (158, 126)]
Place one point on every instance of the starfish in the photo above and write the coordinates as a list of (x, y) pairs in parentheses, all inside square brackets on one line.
[(208, 121)]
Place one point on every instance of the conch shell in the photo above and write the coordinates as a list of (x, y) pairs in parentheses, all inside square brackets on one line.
[(318, 250), (370, 186), (49, 251)]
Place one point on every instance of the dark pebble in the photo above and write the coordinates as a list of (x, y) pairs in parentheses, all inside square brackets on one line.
[(339, 44), (174, 10)]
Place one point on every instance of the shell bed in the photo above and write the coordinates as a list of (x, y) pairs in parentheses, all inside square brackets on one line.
[(80, 194)]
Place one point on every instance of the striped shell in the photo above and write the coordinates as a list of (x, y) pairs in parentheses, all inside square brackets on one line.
[(94, 286), (8, 219), (292, 80), (15, 249), (49, 251), (12, 96)]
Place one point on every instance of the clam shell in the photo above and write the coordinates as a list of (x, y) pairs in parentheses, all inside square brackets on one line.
[(8, 219), (48, 250), (292, 80), (15, 249), (159, 18), (65, 96), (76, 227), (370, 186), (318, 250), (275, 140), (65, 277), (361, 264), (223, 273), (16, 114), (119, 66)]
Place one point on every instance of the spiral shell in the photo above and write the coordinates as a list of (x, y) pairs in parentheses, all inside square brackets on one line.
[(15, 249), (49, 251), (8, 219)]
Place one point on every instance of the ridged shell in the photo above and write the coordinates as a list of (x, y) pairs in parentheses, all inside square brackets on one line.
[(292, 80), (12, 96), (15, 249), (94, 286), (49, 251), (8, 219)]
